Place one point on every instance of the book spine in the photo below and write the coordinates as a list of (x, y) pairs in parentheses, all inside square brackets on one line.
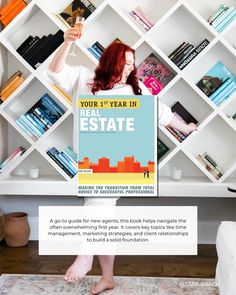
[(71, 153), (43, 116), (37, 114), (66, 164), (9, 85), (97, 49), (12, 88), (209, 160), (227, 82), (51, 102), (54, 157), (226, 96), (180, 58), (91, 50), (43, 126), (152, 23), (179, 52), (72, 156), (226, 23), (174, 133), (13, 160), (139, 21), (69, 161), (34, 123), (17, 73), (25, 129), (172, 54), (99, 46), (31, 127), (88, 5), (194, 53), (143, 18), (14, 13), (218, 12), (12, 154), (8, 8), (222, 17), (224, 93)]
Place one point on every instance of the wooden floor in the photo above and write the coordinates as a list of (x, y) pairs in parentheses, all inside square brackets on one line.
[(25, 260)]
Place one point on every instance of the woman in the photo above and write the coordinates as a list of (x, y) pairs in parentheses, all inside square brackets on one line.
[(115, 75)]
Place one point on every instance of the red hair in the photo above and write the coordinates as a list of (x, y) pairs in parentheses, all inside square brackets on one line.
[(110, 68)]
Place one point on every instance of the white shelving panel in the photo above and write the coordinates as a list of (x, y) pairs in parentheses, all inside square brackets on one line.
[(175, 22)]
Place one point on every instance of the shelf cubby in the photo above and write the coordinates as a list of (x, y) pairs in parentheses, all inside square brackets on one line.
[(180, 26), (108, 18)]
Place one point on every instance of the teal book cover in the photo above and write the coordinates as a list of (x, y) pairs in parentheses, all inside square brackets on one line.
[(117, 145)]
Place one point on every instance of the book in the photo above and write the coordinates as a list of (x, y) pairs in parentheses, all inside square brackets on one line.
[(226, 22), (162, 149), (180, 51), (77, 7), (229, 11), (17, 73), (172, 131), (94, 53), (139, 21), (177, 50), (152, 66), (26, 129), (71, 153), (210, 168), (65, 95), (11, 156), (14, 12), (221, 9), (33, 48), (6, 9), (225, 93), (98, 48), (210, 160), (225, 84), (183, 113), (192, 54), (153, 85), (214, 78), (25, 44), (182, 56), (12, 87)]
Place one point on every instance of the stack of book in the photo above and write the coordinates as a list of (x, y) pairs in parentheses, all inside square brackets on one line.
[(66, 159), (183, 115), (11, 10), (218, 83), (40, 117), (10, 86), (154, 74), (141, 19), (12, 158), (210, 164), (35, 50), (61, 91), (76, 8), (162, 149), (222, 17), (96, 50), (186, 52)]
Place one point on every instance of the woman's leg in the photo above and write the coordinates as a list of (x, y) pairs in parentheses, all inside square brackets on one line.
[(107, 280), (83, 263)]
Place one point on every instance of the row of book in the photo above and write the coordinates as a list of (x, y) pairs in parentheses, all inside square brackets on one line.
[(66, 159), (186, 52), (145, 22), (76, 8), (11, 85), (35, 50), (96, 50), (64, 94), (182, 114), (219, 83), (40, 117), (12, 157), (222, 17), (162, 149), (210, 164), (9, 11), (154, 73)]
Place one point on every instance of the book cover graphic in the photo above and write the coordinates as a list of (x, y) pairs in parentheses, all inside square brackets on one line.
[(116, 145), (153, 67), (77, 8), (214, 78)]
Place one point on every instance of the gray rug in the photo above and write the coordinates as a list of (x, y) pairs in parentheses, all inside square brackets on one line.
[(55, 285)]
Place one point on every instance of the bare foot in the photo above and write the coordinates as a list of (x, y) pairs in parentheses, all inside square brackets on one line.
[(79, 268), (104, 284)]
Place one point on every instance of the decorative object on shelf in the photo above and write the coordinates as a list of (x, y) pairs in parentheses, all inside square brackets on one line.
[(35, 50), (218, 83), (16, 229), (11, 85), (141, 18), (186, 52), (77, 7), (222, 17), (33, 172), (152, 68), (11, 10), (176, 173)]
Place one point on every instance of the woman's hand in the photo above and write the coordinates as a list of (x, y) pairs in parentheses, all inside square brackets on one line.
[(70, 36)]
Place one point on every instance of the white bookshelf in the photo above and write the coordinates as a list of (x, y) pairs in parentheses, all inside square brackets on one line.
[(175, 22)]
